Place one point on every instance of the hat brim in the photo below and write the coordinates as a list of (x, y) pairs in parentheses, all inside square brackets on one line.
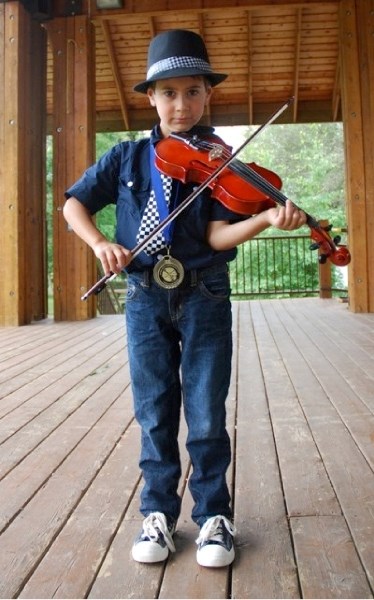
[(214, 78)]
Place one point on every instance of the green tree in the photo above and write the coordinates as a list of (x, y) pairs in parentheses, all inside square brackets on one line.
[(309, 158)]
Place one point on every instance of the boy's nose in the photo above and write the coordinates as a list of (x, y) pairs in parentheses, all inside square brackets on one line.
[(180, 102)]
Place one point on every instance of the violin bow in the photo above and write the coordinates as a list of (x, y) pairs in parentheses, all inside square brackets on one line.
[(101, 283)]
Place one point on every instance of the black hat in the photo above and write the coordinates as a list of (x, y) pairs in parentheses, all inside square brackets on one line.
[(178, 53)]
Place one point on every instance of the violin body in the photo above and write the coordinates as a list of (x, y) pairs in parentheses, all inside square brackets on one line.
[(188, 164), (246, 189)]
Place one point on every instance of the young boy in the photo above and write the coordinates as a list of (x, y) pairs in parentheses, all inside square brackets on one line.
[(178, 311)]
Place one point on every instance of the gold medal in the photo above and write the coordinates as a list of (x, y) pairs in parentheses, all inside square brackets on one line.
[(168, 272)]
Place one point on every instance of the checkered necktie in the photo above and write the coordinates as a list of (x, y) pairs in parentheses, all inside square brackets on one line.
[(151, 218)]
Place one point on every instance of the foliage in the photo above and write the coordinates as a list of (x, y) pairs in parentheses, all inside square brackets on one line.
[(309, 158)]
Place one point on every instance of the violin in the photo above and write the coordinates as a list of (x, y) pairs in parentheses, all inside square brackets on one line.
[(246, 189)]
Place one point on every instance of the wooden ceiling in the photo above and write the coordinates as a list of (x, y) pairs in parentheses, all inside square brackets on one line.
[(271, 51)]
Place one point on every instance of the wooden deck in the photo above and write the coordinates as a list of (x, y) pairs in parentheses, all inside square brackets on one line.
[(300, 414)]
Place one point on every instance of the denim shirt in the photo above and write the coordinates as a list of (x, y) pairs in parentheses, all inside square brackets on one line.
[(122, 177)]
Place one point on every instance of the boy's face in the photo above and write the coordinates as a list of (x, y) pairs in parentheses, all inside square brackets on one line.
[(180, 102)]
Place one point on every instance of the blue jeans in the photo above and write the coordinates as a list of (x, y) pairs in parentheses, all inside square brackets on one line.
[(180, 345)]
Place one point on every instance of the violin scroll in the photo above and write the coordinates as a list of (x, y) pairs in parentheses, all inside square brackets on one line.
[(329, 248)]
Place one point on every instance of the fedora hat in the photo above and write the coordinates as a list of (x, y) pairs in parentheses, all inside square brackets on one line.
[(178, 53)]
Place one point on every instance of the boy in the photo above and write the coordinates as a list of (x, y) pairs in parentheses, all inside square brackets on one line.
[(178, 319)]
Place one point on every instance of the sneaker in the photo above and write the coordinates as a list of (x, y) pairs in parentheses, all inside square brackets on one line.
[(216, 545), (155, 540)]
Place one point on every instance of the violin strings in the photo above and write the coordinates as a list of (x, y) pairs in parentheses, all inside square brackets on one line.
[(254, 178)]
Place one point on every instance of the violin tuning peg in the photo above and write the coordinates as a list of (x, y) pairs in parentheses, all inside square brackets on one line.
[(322, 259), (337, 239), (314, 246), (328, 227)]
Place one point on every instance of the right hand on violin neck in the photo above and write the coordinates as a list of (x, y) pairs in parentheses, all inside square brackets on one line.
[(286, 218)]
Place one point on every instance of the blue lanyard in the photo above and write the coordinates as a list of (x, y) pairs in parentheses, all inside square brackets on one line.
[(162, 207)]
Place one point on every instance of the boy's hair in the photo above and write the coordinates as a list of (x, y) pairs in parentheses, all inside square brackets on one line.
[(207, 82)]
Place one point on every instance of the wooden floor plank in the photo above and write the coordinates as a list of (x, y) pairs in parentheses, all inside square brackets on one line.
[(300, 417), (90, 530), (306, 485), (260, 514), (347, 467), (327, 560), (52, 505), (54, 356), (52, 419), (22, 405)]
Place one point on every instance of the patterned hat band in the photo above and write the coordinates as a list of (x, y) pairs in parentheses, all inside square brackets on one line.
[(178, 62)]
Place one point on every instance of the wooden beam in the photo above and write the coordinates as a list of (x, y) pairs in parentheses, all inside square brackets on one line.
[(73, 135), (22, 104), (356, 25), (152, 27), (299, 16), (365, 33), (160, 7), (308, 112), (116, 72), (336, 96), (250, 70)]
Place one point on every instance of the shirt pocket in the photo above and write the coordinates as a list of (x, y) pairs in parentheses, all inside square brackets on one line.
[(133, 195)]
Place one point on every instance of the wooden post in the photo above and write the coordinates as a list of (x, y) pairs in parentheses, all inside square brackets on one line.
[(23, 289), (324, 273), (356, 19), (73, 152)]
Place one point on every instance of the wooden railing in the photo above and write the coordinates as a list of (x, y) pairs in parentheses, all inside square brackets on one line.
[(283, 266), (267, 267)]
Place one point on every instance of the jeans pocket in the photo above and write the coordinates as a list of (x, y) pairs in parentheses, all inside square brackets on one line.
[(216, 286), (133, 289)]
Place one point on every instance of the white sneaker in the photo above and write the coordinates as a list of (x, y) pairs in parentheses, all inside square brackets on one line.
[(216, 544), (155, 540)]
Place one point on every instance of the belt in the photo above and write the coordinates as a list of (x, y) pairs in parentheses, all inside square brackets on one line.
[(191, 277)]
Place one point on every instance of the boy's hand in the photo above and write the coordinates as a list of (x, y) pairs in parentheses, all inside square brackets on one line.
[(113, 257), (286, 217)]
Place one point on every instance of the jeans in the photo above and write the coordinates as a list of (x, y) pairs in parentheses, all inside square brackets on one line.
[(180, 346)]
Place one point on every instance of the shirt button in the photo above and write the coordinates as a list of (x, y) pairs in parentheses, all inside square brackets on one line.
[(130, 184)]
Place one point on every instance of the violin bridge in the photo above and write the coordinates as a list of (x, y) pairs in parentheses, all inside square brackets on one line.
[(215, 151)]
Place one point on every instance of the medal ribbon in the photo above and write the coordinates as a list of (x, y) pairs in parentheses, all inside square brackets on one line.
[(162, 207)]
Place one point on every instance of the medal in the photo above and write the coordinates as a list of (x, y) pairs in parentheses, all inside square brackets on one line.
[(168, 272)]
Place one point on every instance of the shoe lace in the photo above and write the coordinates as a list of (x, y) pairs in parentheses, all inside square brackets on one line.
[(155, 524), (212, 529)]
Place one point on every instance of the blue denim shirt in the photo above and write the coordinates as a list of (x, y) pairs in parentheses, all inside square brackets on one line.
[(122, 177)]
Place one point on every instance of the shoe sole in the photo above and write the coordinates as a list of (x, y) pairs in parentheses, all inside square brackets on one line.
[(150, 554), (216, 561)]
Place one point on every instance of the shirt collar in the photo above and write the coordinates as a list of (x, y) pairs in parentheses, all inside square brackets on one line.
[(199, 130)]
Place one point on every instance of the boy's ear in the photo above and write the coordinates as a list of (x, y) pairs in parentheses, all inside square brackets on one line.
[(151, 96), (209, 91)]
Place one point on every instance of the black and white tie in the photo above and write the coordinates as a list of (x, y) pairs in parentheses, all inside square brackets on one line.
[(151, 218)]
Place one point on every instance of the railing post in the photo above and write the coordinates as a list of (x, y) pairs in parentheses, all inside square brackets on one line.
[(324, 273)]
